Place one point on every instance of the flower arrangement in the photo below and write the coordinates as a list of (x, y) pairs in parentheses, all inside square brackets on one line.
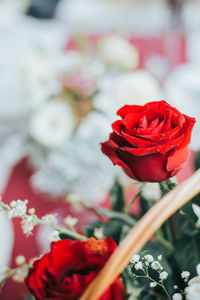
[(157, 256), (64, 105)]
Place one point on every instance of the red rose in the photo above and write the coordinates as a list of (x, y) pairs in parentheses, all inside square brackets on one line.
[(65, 271), (150, 142)]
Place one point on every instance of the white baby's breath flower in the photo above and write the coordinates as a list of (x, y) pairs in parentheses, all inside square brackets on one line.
[(118, 52), (19, 209), (20, 275), (138, 265), (135, 258), (70, 221), (20, 260), (53, 124), (31, 211), (185, 275), (160, 257), (98, 233), (177, 296), (49, 219), (54, 236), (28, 224), (196, 210), (156, 266), (163, 275), (149, 258), (153, 284), (73, 199)]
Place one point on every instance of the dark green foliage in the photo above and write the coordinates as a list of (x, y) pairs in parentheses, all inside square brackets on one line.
[(117, 197)]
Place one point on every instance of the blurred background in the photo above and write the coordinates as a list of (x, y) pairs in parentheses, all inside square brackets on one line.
[(66, 66)]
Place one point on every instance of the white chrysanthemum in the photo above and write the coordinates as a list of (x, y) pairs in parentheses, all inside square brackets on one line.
[(138, 88), (53, 124), (182, 90), (193, 289), (118, 52), (11, 10)]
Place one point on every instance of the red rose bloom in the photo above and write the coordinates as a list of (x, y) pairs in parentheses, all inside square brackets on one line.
[(65, 271), (150, 142)]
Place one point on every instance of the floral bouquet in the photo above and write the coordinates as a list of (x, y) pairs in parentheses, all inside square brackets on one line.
[(152, 255)]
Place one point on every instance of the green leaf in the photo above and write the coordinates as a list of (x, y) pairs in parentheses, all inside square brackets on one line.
[(64, 236), (132, 288), (197, 161), (187, 253), (112, 229), (117, 197)]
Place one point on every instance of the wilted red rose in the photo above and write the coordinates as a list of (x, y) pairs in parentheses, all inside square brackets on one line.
[(65, 271), (150, 142)]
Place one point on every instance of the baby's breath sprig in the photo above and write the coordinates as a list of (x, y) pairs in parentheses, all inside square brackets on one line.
[(145, 263), (18, 209)]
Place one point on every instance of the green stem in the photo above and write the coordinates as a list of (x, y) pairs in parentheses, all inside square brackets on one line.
[(127, 209), (165, 243), (116, 215), (169, 227), (71, 233), (12, 272)]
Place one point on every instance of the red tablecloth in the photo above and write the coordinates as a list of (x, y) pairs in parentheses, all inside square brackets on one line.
[(172, 46)]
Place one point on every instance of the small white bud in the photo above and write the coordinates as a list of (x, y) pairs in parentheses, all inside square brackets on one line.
[(54, 236), (49, 219), (156, 266), (153, 284), (163, 275), (177, 296), (98, 233), (70, 221), (185, 275), (20, 260), (160, 257), (31, 211)]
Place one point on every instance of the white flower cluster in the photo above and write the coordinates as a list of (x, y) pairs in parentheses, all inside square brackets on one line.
[(193, 290), (18, 209), (117, 52), (70, 221), (147, 261)]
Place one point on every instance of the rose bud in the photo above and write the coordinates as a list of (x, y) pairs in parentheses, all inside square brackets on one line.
[(65, 271), (151, 142)]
